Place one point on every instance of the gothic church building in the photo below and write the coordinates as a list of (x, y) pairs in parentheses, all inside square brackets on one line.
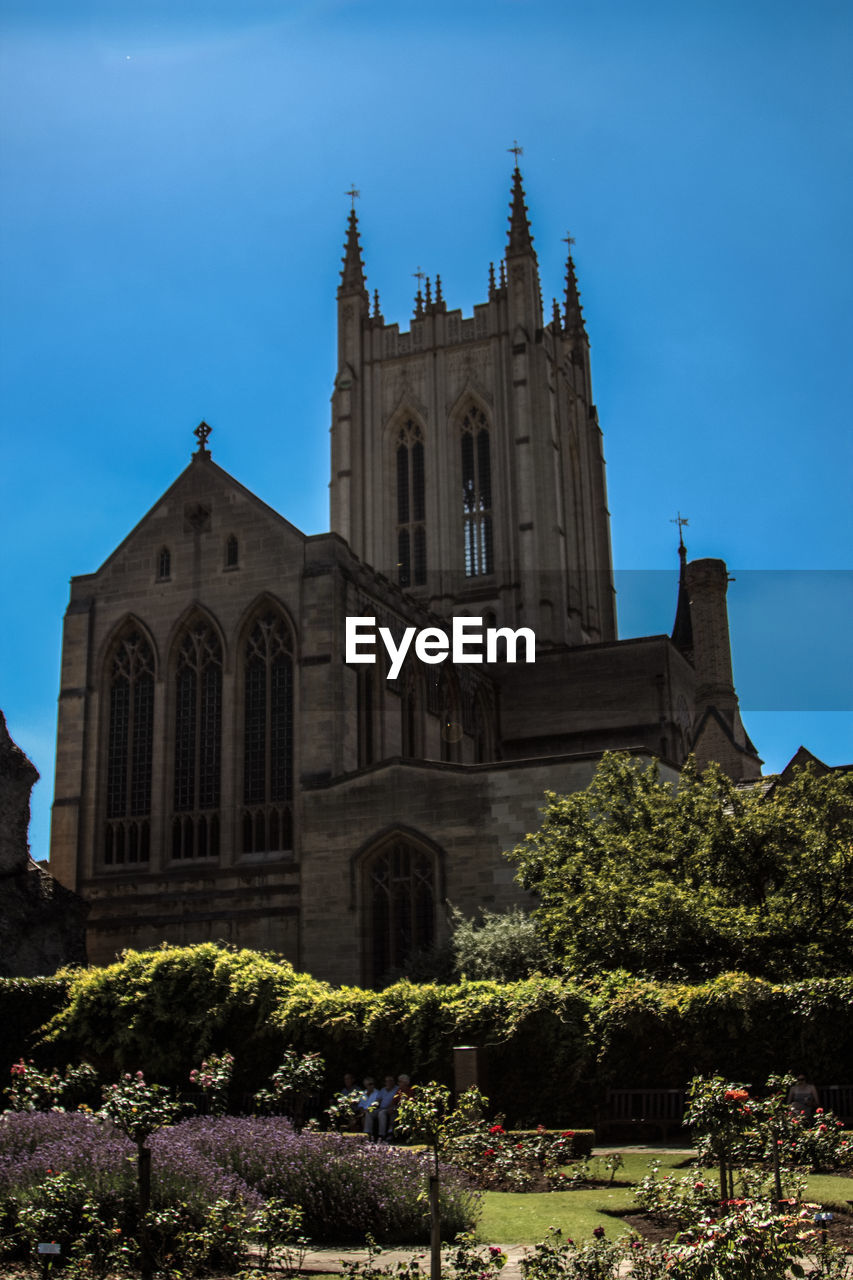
[(223, 772)]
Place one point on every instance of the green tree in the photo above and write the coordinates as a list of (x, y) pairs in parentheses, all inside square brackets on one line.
[(695, 878), (501, 946)]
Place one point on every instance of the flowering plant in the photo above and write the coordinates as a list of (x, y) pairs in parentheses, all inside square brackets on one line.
[(35, 1090), (214, 1078), (293, 1082), (137, 1109)]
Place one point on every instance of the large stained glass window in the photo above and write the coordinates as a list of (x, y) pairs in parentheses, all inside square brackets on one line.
[(476, 494), (411, 507), (130, 742), (400, 901), (198, 743), (268, 737)]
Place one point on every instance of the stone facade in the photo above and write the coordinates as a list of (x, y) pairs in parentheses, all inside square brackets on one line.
[(42, 924), (224, 771)]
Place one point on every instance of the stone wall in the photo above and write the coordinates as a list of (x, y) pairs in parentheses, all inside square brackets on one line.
[(42, 924)]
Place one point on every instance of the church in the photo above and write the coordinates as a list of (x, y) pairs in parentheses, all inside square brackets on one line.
[(232, 765)]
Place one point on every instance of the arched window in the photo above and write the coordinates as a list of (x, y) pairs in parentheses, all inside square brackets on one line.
[(198, 737), (268, 737), (400, 904), (232, 553), (411, 507), (130, 740), (476, 494), (164, 563)]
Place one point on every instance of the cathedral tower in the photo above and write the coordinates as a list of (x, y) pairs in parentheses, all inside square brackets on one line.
[(467, 461)]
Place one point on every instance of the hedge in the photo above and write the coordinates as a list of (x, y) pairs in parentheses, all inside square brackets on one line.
[(552, 1046), (26, 1004)]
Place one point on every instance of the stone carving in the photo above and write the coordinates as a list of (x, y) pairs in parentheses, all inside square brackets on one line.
[(42, 924)]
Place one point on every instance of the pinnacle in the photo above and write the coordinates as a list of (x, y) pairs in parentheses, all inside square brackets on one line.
[(352, 276), (520, 239), (574, 310)]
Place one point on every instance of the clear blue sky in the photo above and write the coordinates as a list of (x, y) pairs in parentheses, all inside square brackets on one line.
[(172, 214)]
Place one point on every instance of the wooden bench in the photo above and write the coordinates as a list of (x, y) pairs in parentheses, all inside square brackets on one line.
[(837, 1098), (653, 1108)]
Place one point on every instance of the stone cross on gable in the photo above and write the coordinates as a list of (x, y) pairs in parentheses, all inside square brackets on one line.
[(201, 434)]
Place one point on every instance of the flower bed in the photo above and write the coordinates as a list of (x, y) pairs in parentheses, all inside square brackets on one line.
[(347, 1190)]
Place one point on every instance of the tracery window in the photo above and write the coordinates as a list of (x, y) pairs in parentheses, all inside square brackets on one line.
[(411, 507), (268, 737), (130, 741), (477, 494), (198, 739), (400, 901)]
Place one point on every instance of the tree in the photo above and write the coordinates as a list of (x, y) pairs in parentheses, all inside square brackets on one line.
[(502, 946), (691, 879)]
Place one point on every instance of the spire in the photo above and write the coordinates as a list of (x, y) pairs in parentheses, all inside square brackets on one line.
[(574, 310), (377, 313), (520, 239), (352, 276), (439, 300), (491, 280), (419, 297), (682, 628)]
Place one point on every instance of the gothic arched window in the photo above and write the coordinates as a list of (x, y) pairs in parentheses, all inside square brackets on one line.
[(268, 737), (411, 507), (130, 742), (400, 903), (477, 493), (198, 738)]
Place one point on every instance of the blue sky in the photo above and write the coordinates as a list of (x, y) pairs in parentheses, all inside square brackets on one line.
[(172, 212)]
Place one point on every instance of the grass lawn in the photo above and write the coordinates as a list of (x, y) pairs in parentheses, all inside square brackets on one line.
[(523, 1218)]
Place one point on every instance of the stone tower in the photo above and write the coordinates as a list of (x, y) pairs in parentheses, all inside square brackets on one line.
[(467, 461)]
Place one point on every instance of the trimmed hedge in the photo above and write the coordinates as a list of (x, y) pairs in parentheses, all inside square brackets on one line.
[(551, 1046)]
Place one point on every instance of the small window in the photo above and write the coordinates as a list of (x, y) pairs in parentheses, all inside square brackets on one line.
[(232, 553), (164, 564)]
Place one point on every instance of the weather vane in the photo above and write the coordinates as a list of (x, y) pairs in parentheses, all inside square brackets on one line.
[(682, 523), (516, 150), (419, 275), (569, 239), (353, 194), (201, 433)]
